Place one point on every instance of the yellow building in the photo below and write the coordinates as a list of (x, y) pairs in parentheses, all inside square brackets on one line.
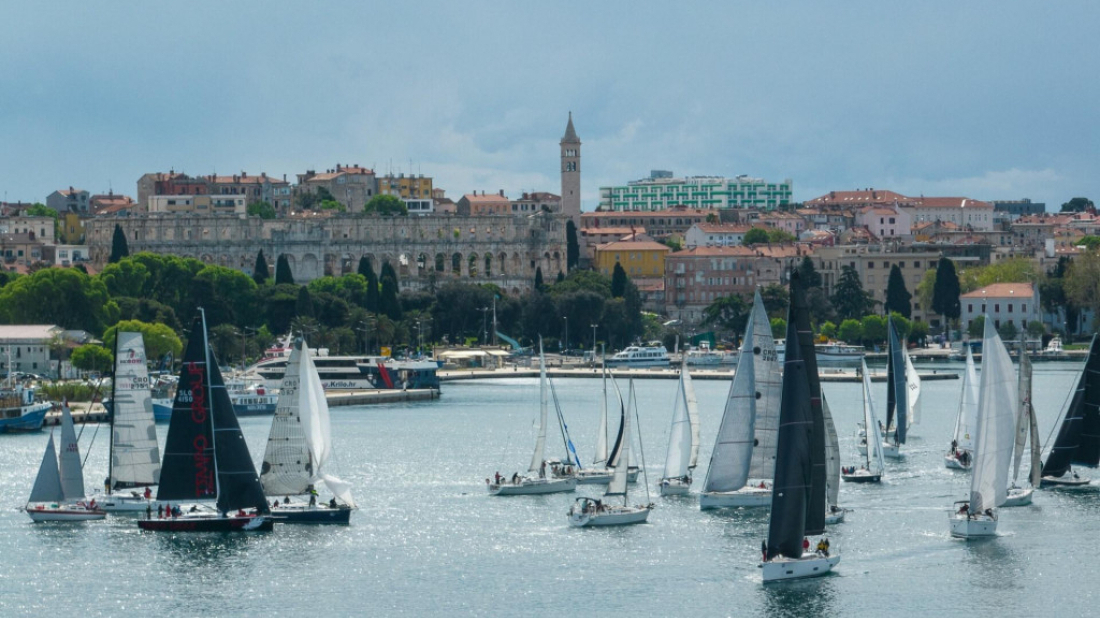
[(641, 259), (406, 186), (71, 230)]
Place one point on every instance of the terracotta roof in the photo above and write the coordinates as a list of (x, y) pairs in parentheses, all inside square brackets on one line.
[(867, 196), (950, 202), (730, 228), (1003, 290), (114, 208), (716, 251), (488, 197), (621, 231), (633, 245), (667, 212)]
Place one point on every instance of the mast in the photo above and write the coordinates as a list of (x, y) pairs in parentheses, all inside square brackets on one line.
[(870, 423), (114, 416), (47, 485), (679, 438), (210, 391), (601, 434), (540, 442), (1078, 440), (691, 402), (618, 484)]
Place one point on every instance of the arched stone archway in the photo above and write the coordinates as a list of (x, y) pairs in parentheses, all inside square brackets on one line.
[(502, 264), (456, 264), (440, 262), (488, 265), (471, 265)]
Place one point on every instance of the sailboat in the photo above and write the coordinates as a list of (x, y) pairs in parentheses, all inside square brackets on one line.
[(742, 464), (873, 465), (298, 447), (134, 459), (996, 428), (1078, 439), (897, 394), (961, 454), (912, 383), (206, 461), (603, 468), (1026, 424), (587, 512), (798, 502), (58, 492), (536, 481), (834, 513), (683, 439)]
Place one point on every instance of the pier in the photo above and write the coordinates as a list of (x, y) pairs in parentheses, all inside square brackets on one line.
[(826, 374)]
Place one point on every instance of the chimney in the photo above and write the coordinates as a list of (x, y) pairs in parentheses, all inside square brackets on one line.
[(284, 177), (502, 193), (244, 174)]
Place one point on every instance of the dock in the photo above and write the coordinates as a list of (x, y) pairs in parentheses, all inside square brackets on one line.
[(825, 374)]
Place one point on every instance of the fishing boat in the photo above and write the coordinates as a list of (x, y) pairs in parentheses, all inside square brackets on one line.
[(592, 512), (652, 355), (798, 502), (206, 461), (683, 439), (1026, 425), (19, 410), (873, 466), (742, 463), (536, 481), (1078, 439), (251, 396), (995, 428), (834, 513), (58, 492), (961, 454), (299, 446), (134, 459), (837, 353)]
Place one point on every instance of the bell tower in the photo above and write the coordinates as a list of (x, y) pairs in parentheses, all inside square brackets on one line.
[(571, 172)]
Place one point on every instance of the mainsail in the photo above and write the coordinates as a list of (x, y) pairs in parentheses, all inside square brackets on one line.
[(996, 424), (692, 403), (601, 435), (679, 439), (539, 456), (800, 315), (874, 459), (767, 391), (896, 386), (832, 456), (1023, 415), (135, 456), (968, 406), (1078, 440), (617, 486), (912, 382)]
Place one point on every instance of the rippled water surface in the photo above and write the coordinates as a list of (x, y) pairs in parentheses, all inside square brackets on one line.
[(427, 539)]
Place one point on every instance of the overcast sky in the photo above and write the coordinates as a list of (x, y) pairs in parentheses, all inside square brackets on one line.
[(989, 100)]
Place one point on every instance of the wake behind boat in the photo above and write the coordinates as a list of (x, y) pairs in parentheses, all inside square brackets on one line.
[(206, 459)]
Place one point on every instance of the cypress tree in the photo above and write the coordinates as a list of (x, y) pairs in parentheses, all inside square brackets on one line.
[(261, 273), (304, 306), (618, 281), (367, 270), (572, 246), (849, 298), (119, 247), (898, 297), (282, 271), (946, 292), (538, 278), (809, 275), (560, 277), (387, 301)]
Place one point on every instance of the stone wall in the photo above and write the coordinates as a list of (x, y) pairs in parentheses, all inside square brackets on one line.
[(425, 251)]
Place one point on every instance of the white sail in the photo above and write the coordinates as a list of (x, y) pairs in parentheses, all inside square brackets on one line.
[(731, 457), (912, 381), (996, 424), (617, 486), (968, 406), (544, 405), (679, 438), (875, 461), (832, 456), (1023, 402), (72, 475), (47, 485), (768, 382), (693, 418), (300, 442), (1036, 474), (601, 435), (135, 456)]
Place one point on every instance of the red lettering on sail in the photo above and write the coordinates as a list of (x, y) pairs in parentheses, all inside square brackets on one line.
[(204, 472)]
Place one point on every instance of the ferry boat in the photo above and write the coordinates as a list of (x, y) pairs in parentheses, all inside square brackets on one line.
[(351, 373), (832, 353), (19, 411), (652, 355), (703, 356)]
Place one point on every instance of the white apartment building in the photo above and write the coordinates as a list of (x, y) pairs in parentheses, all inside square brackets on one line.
[(715, 235), (660, 191), (1002, 302), (963, 212), (885, 221)]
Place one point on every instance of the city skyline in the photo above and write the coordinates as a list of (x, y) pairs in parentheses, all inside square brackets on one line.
[(987, 100)]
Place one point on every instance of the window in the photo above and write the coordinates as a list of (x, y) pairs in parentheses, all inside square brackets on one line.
[(1010, 307), (1023, 308), (996, 307)]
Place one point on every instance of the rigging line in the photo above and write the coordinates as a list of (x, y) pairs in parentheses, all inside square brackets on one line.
[(1064, 407), (84, 421), (641, 450), (88, 451), (569, 456)]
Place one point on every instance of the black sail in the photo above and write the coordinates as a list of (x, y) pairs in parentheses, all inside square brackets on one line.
[(897, 390), (238, 484), (617, 449), (799, 314), (792, 486), (187, 470), (1078, 440)]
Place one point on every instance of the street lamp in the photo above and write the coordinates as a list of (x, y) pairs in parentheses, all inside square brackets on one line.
[(244, 333), (420, 335), (484, 324), (594, 340), (565, 345)]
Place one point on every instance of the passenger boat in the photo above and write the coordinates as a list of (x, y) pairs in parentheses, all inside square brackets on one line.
[(351, 373), (652, 355)]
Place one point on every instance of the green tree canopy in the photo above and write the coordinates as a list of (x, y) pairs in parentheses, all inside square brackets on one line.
[(1008, 331), (779, 327), (776, 297), (262, 209), (809, 275), (386, 205), (977, 327), (849, 298), (539, 285), (62, 296), (125, 278), (850, 331), (828, 329), (304, 305), (898, 298), (1078, 204), (873, 328), (387, 300), (755, 236), (729, 313), (159, 339), (92, 357)]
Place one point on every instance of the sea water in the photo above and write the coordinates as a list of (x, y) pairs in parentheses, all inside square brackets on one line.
[(428, 540)]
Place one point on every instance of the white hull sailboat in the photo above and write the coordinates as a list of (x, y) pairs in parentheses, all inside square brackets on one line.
[(683, 440), (742, 463), (995, 438), (1026, 426), (873, 466), (536, 481), (299, 447), (961, 454), (58, 492), (589, 512), (134, 460), (1075, 444), (800, 496)]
